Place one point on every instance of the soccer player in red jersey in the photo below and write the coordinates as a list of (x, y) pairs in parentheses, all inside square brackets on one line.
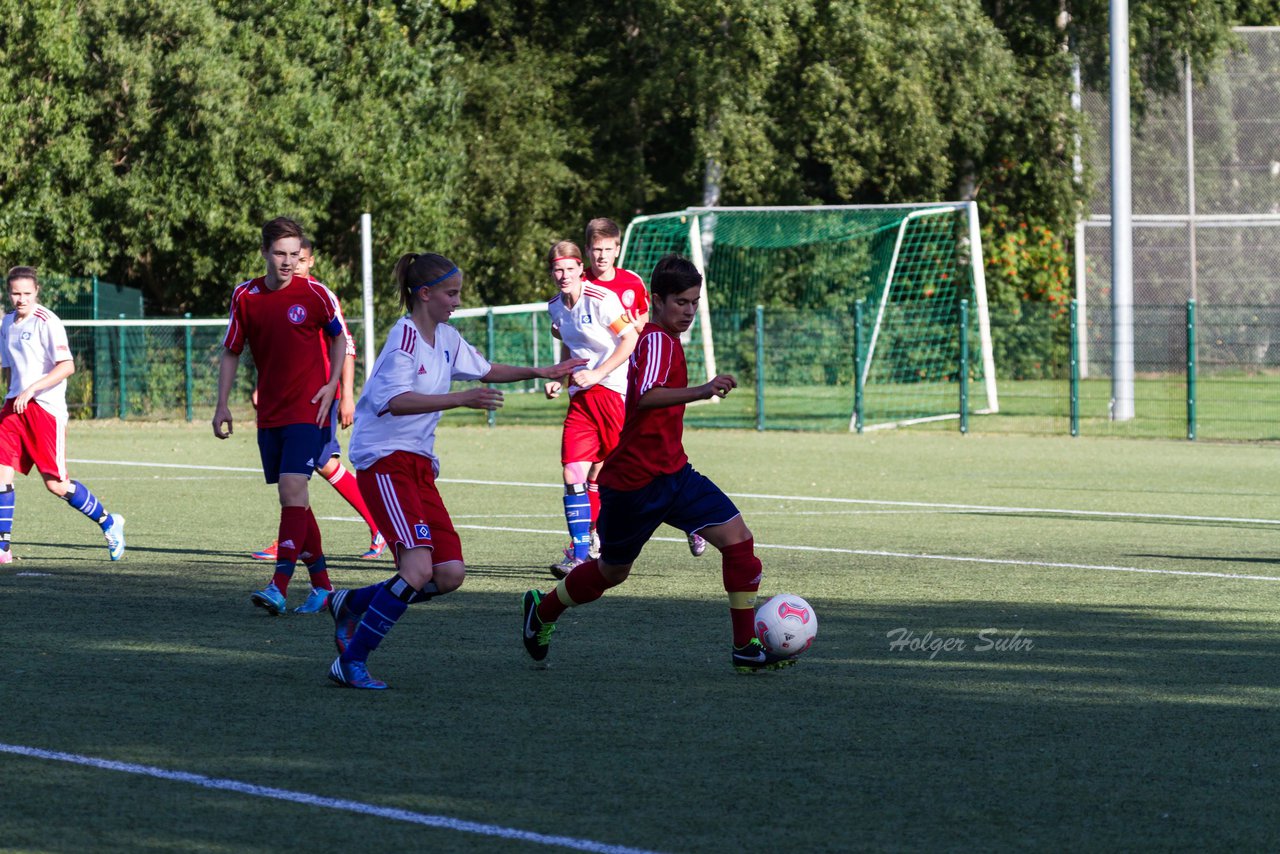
[(342, 414), (36, 361), (604, 243), (647, 481), (285, 320), (393, 450), (593, 325)]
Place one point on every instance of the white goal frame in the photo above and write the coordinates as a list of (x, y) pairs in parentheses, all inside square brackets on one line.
[(702, 239)]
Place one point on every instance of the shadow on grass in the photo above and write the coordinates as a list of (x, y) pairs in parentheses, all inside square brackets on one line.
[(1116, 726)]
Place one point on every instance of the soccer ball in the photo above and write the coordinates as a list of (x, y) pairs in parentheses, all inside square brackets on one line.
[(786, 624)]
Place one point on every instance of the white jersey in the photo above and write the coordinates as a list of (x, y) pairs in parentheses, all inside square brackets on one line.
[(408, 363), (592, 330), (29, 349)]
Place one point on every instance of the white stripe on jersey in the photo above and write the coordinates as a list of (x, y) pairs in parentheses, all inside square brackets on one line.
[(656, 359)]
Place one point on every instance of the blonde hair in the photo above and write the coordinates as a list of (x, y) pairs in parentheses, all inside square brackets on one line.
[(563, 249), (414, 271)]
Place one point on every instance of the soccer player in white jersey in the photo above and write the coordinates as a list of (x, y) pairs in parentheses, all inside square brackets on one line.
[(36, 361), (591, 322), (393, 450)]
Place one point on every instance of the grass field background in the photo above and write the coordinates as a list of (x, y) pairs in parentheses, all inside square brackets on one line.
[(1144, 574)]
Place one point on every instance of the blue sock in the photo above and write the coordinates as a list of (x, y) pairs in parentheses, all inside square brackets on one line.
[(79, 497), (7, 499), (357, 601), (577, 512), (389, 603)]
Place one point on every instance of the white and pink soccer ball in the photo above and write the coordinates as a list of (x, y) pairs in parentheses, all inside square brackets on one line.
[(786, 624)]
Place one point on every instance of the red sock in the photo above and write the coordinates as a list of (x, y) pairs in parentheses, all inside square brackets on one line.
[(741, 571), (314, 557), (593, 496), (290, 541), (584, 583), (345, 482)]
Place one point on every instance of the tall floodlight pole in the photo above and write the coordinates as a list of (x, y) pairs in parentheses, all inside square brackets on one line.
[(1121, 220), (1077, 168), (366, 261), (1191, 175)]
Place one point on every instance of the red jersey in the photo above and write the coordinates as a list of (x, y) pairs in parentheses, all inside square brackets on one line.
[(651, 443), (629, 287), (287, 331)]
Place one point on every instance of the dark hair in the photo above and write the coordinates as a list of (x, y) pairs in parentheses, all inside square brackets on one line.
[(308, 245), (673, 274), (23, 273), (602, 227), (414, 271), (563, 249), (280, 227)]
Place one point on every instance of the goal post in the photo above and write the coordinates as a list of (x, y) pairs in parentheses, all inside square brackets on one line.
[(910, 266)]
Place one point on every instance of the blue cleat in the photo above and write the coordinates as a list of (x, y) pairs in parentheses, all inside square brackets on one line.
[(345, 623), (269, 599), (315, 602), (352, 674), (114, 532)]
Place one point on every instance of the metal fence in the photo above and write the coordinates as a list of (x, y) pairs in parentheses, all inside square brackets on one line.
[(1206, 194)]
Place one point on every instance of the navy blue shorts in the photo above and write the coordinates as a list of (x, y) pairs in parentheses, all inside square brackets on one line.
[(685, 500), (331, 448), (291, 449)]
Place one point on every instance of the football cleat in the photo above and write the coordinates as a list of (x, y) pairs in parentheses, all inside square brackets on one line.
[(536, 634), (566, 565), (353, 674), (345, 623), (697, 545), (376, 548), (267, 553), (269, 599), (754, 657), (315, 602), (114, 532), (593, 551), (6, 556)]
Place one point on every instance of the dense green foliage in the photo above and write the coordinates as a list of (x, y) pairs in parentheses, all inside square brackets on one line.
[(147, 140)]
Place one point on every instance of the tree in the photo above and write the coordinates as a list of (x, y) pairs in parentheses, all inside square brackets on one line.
[(153, 137)]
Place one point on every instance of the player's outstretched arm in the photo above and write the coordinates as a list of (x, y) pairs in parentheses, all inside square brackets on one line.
[(222, 426), (659, 396), (413, 403), (515, 373)]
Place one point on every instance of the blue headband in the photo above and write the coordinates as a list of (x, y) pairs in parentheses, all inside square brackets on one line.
[(434, 282)]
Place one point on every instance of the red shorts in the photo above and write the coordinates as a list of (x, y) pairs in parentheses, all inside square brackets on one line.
[(400, 491), (34, 438), (592, 425)]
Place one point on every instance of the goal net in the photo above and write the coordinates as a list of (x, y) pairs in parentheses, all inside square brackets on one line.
[(861, 306)]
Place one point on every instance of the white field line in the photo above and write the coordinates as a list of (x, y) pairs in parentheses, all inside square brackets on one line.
[(982, 508), (925, 556), (425, 819), (875, 502)]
